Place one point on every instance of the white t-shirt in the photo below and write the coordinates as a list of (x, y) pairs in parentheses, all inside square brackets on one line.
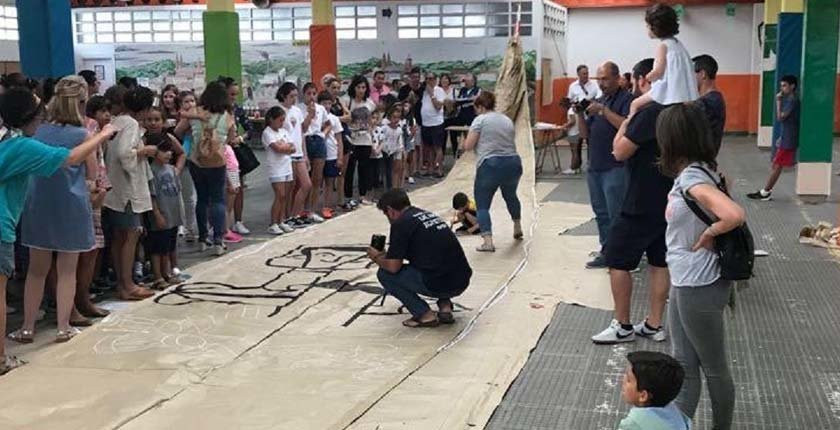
[(278, 164), (589, 91), (574, 130), (352, 104), (432, 117), (332, 142), (316, 126), (294, 126), (392, 139)]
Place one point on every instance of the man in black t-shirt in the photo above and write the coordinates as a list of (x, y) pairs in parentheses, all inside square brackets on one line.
[(711, 100), (415, 86), (640, 227), (437, 266)]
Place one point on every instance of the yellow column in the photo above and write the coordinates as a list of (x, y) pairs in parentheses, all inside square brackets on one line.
[(771, 11), (793, 6), (323, 45), (220, 6)]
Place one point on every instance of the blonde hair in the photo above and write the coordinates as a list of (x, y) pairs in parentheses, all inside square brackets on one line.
[(66, 105)]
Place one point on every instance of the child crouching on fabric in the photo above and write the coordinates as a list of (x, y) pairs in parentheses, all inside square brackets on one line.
[(162, 236), (652, 381), (466, 215)]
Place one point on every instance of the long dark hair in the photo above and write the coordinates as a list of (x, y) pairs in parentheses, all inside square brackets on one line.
[(215, 98), (357, 80), (285, 90), (684, 137)]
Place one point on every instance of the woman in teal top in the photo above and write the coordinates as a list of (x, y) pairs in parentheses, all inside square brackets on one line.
[(21, 158)]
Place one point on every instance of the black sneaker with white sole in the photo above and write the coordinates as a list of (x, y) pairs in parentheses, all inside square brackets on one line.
[(761, 195)]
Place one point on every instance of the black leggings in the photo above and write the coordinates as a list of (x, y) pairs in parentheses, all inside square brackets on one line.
[(360, 157)]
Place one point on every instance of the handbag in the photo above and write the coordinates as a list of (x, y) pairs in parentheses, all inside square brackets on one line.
[(210, 152), (248, 161), (735, 249)]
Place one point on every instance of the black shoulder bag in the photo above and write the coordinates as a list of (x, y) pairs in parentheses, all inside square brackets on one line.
[(735, 248)]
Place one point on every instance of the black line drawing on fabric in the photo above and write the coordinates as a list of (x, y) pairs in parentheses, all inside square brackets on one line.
[(319, 264)]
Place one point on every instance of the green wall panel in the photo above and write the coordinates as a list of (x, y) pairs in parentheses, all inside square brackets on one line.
[(768, 84), (818, 79), (222, 50)]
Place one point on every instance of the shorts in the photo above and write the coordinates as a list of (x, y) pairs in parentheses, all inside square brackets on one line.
[(399, 155), (233, 179), (297, 158), (7, 259), (162, 242), (785, 157), (573, 140), (331, 169), (632, 236), (434, 136), (316, 147), (125, 220), (283, 178)]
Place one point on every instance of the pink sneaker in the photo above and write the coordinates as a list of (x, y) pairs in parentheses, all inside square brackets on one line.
[(232, 237)]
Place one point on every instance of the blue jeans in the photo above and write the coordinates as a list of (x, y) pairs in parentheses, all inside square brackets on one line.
[(495, 173), (606, 194), (210, 186), (406, 286)]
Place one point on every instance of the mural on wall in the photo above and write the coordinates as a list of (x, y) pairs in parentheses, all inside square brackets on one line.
[(266, 66)]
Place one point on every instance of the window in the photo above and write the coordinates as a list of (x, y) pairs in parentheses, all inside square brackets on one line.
[(8, 23), (494, 19), (355, 22)]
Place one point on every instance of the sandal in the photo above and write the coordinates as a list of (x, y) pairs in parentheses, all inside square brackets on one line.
[(62, 336), (174, 280), (84, 322), (95, 312), (486, 248), (159, 284), (413, 323), (140, 293), (10, 362), (22, 336), (446, 318)]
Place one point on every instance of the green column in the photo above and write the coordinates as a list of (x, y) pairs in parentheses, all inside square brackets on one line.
[(768, 75), (818, 81), (222, 50)]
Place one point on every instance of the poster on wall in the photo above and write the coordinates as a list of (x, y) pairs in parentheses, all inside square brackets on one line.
[(267, 66)]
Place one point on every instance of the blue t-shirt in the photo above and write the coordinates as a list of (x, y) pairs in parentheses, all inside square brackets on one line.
[(21, 158), (789, 127), (602, 133)]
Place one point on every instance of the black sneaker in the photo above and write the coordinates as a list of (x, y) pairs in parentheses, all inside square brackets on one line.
[(598, 262), (760, 195)]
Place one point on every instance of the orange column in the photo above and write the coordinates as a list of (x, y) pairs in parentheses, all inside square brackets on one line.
[(323, 46)]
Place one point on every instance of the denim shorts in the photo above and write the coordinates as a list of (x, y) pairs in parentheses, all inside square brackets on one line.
[(331, 169), (7, 259), (316, 147), (125, 220)]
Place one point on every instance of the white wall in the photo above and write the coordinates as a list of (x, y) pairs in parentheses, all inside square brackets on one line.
[(9, 51), (620, 35)]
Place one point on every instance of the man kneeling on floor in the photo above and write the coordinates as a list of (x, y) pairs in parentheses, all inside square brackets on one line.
[(437, 266)]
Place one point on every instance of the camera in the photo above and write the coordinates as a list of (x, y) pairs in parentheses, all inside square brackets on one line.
[(581, 105), (377, 242)]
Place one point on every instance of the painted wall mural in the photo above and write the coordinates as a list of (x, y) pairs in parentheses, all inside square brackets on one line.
[(267, 66)]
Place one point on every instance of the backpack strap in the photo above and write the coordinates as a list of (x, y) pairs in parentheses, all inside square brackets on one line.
[(693, 205)]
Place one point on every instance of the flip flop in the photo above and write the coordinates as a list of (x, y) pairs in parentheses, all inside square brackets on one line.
[(446, 318), (9, 363), (413, 323), (84, 322)]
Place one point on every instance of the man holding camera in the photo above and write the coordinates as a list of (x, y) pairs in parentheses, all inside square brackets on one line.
[(437, 266), (606, 177)]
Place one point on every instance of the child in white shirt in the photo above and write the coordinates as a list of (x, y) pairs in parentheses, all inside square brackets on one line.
[(390, 144), (672, 78), (335, 154), (279, 148)]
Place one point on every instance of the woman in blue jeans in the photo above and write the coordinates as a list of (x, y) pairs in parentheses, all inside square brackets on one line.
[(210, 177), (499, 166)]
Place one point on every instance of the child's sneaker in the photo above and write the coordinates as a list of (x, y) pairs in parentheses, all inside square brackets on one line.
[(760, 195), (240, 228), (275, 230), (315, 218), (286, 227), (411, 180), (644, 330), (219, 250), (232, 237)]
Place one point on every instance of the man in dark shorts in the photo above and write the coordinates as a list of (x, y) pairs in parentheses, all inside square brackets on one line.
[(640, 227), (437, 266), (711, 99)]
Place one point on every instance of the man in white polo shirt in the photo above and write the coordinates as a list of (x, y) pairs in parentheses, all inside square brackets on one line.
[(583, 88), (433, 132)]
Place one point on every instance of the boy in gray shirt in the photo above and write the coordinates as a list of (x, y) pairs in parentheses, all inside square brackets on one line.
[(162, 236)]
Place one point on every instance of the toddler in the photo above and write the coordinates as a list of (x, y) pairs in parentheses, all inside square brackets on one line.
[(651, 382), (233, 185), (466, 214), (162, 236)]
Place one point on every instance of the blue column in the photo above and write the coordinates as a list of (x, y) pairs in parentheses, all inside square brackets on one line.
[(46, 38)]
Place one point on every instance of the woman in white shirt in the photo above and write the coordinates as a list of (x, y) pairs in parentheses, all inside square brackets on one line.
[(287, 95), (361, 147)]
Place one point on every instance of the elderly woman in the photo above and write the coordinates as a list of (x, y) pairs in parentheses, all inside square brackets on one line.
[(498, 166)]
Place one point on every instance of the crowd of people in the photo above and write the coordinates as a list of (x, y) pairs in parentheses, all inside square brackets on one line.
[(133, 173)]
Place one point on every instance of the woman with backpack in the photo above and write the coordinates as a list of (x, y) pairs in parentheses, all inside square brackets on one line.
[(212, 129), (700, 291)]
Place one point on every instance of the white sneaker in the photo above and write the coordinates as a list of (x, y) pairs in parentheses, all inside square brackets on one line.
[(286, 228), (613, 334), (10, 310), (275, 230), (176, 271), (411, 180), (657, 335), (182, 231), (240, 228), (315, 218), (570, 172), (219, 250)]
